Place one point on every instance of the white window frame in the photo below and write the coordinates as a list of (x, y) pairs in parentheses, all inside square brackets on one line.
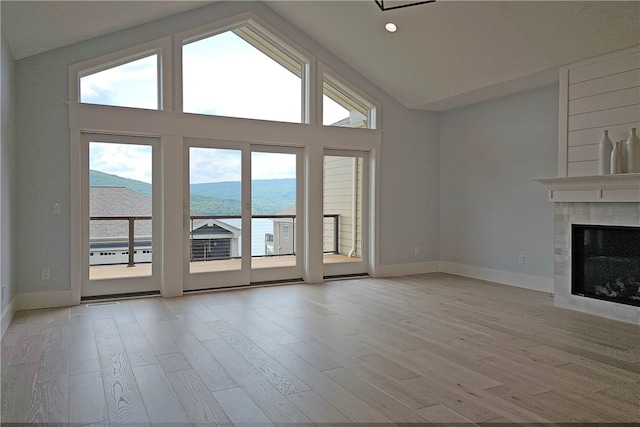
[(160, 47), (173, 128), (119, 285), (368, 226), (349, 91), (270, 34)]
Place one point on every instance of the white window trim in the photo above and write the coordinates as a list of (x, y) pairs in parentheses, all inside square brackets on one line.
[(173, 127), (80, 258), (323, 71), (161, 47)]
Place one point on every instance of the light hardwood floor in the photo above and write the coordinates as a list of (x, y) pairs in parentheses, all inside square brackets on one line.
[(415, 349)]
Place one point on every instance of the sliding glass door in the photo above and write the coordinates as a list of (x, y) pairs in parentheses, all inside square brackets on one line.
[(241, 214)]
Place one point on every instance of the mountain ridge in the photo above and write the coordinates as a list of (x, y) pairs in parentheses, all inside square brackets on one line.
[(269, 197)]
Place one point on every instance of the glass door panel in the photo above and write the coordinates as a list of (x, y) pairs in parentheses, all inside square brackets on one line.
[(215, 228), (274, 209), (243, 219), (122, 234), (215, 204), (344, 205), (275, 220)]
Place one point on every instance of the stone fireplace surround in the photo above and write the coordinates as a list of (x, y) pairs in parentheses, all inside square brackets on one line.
[(597, 213), (597, 200)]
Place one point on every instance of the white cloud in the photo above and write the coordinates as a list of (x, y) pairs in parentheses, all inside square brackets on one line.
[(224, 75), (126, 160), (214, 165), (134, 84), (273, 165)]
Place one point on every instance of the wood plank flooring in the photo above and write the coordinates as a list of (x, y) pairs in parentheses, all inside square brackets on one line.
[(430, 348)]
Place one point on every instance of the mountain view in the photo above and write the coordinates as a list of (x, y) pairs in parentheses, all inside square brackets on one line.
[(270, 196)]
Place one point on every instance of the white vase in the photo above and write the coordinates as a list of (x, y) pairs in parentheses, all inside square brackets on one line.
[(633, 152), (616, 158), (605, 154)]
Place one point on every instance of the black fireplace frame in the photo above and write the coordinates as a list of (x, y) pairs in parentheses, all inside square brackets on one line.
[(579, 286)]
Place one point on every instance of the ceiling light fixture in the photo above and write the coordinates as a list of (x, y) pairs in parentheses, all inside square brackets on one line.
[(397, 4), (391, 27)]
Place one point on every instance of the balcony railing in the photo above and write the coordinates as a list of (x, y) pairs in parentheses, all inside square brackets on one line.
[(331, 228)]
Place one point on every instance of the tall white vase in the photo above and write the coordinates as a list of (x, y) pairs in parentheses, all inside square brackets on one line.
[(616, 158), (605, 154), (633, 152)]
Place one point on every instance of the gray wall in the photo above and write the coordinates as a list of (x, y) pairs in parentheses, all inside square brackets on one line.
[(490, 209), (7, 176), (409, 166), (409, 181)]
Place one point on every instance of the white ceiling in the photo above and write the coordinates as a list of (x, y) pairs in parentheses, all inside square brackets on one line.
[(444, 54)]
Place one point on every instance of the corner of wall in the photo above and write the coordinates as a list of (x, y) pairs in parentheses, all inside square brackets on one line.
[(7, 186), (7, 316)]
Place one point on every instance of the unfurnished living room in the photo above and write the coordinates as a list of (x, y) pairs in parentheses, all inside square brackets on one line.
[(320, 212)]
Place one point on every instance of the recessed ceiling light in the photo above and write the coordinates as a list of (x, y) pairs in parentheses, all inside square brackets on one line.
[(391, 27)]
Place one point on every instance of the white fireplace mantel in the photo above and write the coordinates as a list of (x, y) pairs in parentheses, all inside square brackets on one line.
[(600, 188)]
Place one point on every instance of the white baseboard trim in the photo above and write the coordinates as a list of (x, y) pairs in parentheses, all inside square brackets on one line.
[(519, 280), (407, 269), (36, 300), (7, 316)]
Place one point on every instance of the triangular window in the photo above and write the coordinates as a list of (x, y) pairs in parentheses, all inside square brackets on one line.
[(342, 107), (131, 84), (244, 72)]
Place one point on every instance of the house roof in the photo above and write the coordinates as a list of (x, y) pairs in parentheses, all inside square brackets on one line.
[(291, 210), (118, 201), (121, 201)]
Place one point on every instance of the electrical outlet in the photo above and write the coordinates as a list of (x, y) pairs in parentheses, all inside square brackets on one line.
[(520, 259), (417, 250), (57, 208), (46, 274)]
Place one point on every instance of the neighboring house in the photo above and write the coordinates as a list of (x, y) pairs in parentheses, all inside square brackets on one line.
[(355, 120), (109, 239), (282, 240), (213, 239), (343, 196)]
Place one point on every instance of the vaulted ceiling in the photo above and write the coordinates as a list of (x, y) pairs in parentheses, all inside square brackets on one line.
[(444, 54)]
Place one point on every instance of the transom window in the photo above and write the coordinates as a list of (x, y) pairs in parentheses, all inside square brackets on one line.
[(236, 69), (133, 83), (243, 72), (343, 107)]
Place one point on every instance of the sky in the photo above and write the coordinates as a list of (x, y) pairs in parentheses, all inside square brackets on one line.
[(223, 75)]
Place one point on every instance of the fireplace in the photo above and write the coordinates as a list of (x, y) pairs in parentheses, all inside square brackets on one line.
[(605, 263)]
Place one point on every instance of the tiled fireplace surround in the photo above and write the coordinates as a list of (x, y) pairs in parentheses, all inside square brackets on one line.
[(568, 213)]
